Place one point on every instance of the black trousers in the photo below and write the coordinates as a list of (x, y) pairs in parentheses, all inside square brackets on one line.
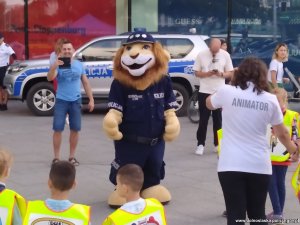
[(204, 117), (245, 192)]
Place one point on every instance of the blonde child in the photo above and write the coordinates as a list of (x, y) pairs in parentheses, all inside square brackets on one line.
[(58, 209), (280, 162), (12, 205), (136, 210)]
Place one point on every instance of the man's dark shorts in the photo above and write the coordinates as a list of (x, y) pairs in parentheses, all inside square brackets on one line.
[(2, 75)]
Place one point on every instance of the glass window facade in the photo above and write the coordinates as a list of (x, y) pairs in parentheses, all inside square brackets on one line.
[(255, 26)]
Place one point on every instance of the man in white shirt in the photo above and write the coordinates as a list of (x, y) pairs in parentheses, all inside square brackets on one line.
[(212, 66), (5, 53)]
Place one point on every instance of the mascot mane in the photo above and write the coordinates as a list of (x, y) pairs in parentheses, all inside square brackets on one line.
[(151, 76)]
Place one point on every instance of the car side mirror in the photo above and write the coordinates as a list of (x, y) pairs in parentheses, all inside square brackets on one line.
[(79, 56)]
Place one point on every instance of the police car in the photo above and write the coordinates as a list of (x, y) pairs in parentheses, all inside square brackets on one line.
[(27, 80)]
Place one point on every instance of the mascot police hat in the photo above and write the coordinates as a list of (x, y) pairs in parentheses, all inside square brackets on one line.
[(139, 36)]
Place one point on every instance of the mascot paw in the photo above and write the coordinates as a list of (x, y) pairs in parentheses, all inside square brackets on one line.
[(158, 192), (172, 127), (115, 201), (111, 123)]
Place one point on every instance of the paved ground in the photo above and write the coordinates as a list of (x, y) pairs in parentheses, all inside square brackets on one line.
[(192, 180)]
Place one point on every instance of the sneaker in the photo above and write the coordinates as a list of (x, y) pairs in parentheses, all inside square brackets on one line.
[(268, 216), (274, 218), (224, 214), (74, 161), (3, 107), (199, 150), (277, 219), (55, 160)]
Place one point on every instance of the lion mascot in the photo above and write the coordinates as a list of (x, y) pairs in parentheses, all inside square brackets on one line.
[(141, 114)]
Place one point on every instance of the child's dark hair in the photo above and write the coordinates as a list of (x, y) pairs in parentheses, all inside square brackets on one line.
[(131, 175), (62, 175)]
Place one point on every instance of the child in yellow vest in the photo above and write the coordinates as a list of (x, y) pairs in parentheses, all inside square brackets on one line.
[(58, 209), (136, 210), (280, 162), (12, 205)]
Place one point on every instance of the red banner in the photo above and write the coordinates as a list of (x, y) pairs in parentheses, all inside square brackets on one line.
[(48, 20)]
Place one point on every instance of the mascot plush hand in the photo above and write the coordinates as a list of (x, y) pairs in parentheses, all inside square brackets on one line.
[(141, 114)]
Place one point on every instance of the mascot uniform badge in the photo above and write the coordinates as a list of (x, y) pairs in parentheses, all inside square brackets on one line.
[(141, 114)]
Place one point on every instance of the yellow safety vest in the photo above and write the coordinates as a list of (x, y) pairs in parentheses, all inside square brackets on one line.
[(287, 120), (38, 213), (153, 214), (8, 199), (296, 181)]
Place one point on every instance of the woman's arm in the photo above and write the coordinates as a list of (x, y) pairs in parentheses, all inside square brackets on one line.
[(273, 78), (284, 137), (208, 103)]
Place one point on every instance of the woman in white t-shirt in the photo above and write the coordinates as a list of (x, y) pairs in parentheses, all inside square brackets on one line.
[(244, 166), (276, 72)]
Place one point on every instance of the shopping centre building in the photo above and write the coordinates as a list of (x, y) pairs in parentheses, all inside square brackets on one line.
[(251, 27)]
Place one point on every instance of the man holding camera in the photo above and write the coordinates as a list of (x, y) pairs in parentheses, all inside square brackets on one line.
[(69, 72), (212, 66)]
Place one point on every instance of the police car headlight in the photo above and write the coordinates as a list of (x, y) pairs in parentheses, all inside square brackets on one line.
[(15, 68)]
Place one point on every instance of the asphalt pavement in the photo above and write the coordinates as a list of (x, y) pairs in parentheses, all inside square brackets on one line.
[(192, 180)]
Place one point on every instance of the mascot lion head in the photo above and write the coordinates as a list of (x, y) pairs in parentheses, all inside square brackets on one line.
[(141, 61)]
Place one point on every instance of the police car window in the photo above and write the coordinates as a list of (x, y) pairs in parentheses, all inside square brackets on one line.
[(103, 50), (177, 47)]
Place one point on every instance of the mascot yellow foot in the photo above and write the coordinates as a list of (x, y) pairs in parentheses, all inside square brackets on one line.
[(159, 192), (115, 201)]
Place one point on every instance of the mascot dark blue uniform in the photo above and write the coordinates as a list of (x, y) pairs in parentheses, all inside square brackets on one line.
[(141, 113)]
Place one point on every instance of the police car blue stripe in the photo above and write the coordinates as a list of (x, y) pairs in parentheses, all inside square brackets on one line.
[(21, 78), (181, 67)]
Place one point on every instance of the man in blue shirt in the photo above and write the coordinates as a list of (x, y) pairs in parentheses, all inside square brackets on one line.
[(69, 72)]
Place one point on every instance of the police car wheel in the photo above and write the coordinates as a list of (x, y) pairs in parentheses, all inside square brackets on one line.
[(41, 99), (193, 108), (182, 98)]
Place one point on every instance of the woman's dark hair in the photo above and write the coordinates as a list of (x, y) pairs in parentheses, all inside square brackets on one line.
[(252, 70)]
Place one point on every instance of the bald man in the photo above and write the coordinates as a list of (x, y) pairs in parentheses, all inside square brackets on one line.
[(212, 66)]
